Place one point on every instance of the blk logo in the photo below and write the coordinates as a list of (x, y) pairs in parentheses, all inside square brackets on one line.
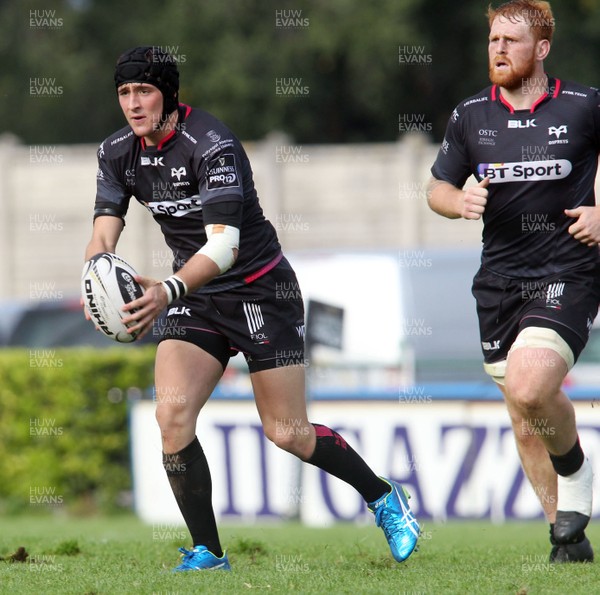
[(154, 161), (522, 124)]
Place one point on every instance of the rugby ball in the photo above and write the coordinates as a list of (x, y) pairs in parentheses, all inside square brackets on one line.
[(107, 284)]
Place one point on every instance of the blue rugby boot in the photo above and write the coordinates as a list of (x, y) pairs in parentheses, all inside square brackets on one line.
[(199, 558), (399, 525)]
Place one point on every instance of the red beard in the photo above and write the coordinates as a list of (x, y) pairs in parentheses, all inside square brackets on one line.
[(512, 78)]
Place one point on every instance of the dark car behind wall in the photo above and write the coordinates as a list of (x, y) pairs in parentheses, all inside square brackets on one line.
[(50, 324)]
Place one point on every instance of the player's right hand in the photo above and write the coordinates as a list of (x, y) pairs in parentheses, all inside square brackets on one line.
[(144, 310), (474, 200)]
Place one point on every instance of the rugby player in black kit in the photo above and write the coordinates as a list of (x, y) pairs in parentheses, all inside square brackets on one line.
[(194, 177), (532, 142)]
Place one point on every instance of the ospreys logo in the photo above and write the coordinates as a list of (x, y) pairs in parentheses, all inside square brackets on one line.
[(177, 172), (558, 131), (222, 173), (525, 171)]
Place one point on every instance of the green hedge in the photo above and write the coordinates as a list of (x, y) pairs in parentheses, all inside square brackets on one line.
[(64, 441)]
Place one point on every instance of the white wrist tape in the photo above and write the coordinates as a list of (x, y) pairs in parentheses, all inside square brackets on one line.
[(222, 245), (175, 288)]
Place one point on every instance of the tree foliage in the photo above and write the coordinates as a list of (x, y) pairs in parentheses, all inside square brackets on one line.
[(343, 54), (64, 426)]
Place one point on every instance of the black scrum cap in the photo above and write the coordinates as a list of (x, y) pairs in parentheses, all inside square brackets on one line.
[(149, 64)]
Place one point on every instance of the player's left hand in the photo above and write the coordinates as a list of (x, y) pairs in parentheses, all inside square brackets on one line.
[(586, 228), (149, 306)]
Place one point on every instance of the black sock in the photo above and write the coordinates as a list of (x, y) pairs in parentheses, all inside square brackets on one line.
[(191, 483), (334, 455), (570, 462)]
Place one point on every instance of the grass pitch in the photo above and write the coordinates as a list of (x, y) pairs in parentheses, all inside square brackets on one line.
[(121, 556)]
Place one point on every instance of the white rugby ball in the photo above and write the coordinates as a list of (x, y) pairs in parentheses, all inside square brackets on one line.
[(107, 284)]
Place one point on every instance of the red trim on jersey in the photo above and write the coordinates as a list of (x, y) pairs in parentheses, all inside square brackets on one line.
[(496, 93), (538, 102), (556, 88), (508, 105), (188, 110), (264, 270), (162, 143)]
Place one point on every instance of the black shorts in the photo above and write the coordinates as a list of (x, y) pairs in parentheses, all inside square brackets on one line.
[(264, 320), (567, 303)]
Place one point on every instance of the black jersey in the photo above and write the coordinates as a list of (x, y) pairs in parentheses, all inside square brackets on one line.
[(540, 162), (199, 165)]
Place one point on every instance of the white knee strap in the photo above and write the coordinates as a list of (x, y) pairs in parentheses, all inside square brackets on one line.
[(497, 371), (533, 337)]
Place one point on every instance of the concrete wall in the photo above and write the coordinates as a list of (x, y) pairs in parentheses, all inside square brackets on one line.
[(318, 196)]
